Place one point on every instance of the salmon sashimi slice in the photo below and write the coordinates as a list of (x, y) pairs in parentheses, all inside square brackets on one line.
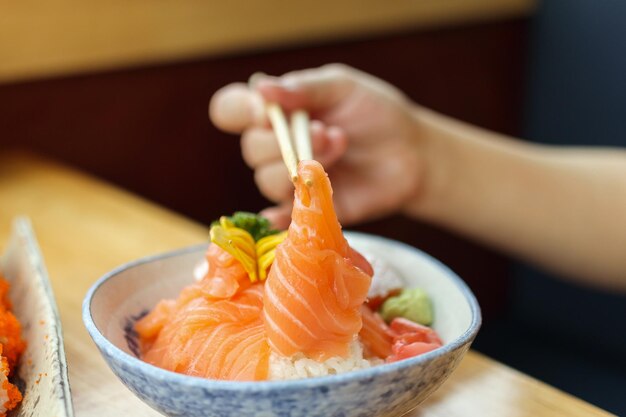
[(217, 339), (214, 328), (376, 336), (149, 326), (401, 339), (411, 339), (317, 283), (225, 276)]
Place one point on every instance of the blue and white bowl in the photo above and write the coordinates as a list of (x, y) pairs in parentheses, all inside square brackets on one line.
[(117, 299)]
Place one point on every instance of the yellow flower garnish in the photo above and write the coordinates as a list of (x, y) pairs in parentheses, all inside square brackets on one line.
[(266, 252), (256, 257)]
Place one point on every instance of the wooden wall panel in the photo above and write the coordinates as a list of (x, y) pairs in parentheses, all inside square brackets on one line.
[(40, 38)]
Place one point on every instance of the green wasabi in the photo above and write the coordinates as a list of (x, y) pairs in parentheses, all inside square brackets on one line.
[(412, 304)]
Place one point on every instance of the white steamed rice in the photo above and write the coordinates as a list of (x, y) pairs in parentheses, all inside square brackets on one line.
[(299, 366), (385, 279)]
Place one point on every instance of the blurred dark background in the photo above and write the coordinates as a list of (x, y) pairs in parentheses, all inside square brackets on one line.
[(557, 76)]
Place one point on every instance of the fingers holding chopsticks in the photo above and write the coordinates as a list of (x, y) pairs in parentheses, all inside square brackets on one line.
[(243, 108), (239, 106), (311, 89), (235, 108), (259, 145), (273, 180)]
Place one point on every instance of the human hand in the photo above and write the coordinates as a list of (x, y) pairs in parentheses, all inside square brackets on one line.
[(363, 132)]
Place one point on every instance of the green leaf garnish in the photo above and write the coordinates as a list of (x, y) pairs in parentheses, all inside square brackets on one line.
[(257, 225)]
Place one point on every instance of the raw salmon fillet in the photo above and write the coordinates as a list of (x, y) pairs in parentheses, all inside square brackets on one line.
[(214, 329), (401, 339), (317, 283), (375, 335)]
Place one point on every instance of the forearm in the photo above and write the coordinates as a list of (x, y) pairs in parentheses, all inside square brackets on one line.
[(564, 209)]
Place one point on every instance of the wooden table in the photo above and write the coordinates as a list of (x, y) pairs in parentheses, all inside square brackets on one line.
[(86, 227)]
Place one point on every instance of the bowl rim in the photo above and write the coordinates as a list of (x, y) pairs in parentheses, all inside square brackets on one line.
[(188, 381)]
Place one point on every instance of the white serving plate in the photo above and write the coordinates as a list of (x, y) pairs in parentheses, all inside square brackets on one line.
[(42, 372)]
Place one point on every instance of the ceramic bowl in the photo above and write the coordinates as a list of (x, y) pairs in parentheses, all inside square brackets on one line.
[(117, 299), (42, 371)]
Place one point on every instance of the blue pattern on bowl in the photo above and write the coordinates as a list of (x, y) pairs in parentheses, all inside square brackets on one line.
[(387, 390)]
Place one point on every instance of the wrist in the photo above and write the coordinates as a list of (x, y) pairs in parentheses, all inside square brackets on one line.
[(463, 166), (437, 146)]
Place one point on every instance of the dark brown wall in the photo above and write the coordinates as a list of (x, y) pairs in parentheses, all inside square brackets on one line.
[(147, 129)]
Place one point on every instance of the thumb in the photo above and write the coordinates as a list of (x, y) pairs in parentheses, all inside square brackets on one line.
[(313, 89)]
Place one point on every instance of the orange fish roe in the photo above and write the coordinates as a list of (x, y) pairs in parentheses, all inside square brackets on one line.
[(10, 337), (9, 394), (11, 348), (5, 303)]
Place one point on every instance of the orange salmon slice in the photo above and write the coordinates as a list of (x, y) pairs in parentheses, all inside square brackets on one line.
[(214, 329), (317, 283)]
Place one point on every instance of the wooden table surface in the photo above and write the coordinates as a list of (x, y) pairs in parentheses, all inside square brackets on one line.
[(86, 227)]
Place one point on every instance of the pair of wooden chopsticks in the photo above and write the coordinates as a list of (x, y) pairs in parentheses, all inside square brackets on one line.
[(294, 142)]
